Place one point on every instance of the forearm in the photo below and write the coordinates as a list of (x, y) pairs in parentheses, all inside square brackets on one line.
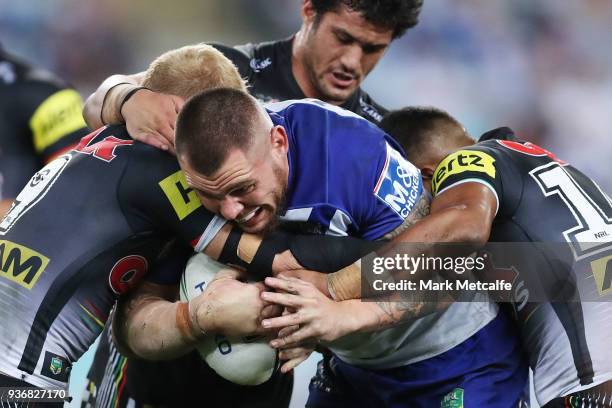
[(108, 96), (452, 224), (157, 331)]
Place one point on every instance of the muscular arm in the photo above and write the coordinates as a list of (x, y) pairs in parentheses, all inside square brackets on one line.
[(461, 214), (92, 110)]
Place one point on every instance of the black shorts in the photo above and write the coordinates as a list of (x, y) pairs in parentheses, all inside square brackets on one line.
[(599, 396)]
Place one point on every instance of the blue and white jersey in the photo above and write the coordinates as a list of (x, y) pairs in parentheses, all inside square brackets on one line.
[(346, 176)]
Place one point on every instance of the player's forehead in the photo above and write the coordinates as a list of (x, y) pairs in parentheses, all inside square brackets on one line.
[(345, 20)]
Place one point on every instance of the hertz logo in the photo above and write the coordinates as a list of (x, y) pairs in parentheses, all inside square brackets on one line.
[(183, 199), (20, 264), (463, 161)]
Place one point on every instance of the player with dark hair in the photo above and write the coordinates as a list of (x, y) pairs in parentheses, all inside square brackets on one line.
[(503, 189), (40, 117), (264, 173), (338, 44)]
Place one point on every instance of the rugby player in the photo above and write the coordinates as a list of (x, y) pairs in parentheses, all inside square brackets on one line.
[(40, 117), (291, 162), (338, 44), (501, 197), (87, 227)]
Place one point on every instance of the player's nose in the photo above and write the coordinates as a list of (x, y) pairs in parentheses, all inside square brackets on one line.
[(230, 208)]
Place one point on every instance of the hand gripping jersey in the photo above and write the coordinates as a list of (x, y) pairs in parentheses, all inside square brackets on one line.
[(39, 117), (347, 177), (543, 199), (267, 68), (85, 229)]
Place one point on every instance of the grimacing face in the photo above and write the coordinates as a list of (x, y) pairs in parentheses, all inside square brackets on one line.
[(342, 49), (249, 187)]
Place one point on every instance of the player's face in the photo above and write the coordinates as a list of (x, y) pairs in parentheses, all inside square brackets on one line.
[(249, 187), (341, 49)]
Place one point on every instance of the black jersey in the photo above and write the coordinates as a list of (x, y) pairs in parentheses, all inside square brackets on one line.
[(543, 199), (267, 68), (39, 117), (84, 230)]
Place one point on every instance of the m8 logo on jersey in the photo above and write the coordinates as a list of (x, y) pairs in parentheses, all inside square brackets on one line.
[(21, 264), (399, 185)]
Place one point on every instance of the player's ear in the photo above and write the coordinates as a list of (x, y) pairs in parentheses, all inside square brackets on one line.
[(427, 172), (279, 139), (307, 11)]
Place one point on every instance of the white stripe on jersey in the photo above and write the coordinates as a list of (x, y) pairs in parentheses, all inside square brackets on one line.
[(339, 224), (297, 214)]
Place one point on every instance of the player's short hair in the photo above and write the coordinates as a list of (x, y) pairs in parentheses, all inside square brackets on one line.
[(213, 123), (397, 15), (417, 128), (189, 70)]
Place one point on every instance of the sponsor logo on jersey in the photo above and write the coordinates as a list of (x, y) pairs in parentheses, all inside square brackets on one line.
[(34, 191), (104, 149), (399, 185), (182, 197), (463, 161), (602, 272), (20, 264), (369, 110), (56, 367), (529, 149), (127, 273), (259, 64), (453, 399), (59, 115)]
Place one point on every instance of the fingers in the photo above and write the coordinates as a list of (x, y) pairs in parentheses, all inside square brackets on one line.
[(270, 311), (287, 284), (295, 339), (294, 357), (284, 299), (292, 319), (285, 331)]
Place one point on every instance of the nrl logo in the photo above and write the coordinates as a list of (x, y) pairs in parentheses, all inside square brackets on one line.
[(56, 365)]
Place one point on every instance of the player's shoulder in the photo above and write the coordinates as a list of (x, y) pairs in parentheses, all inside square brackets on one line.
[(365, 106)]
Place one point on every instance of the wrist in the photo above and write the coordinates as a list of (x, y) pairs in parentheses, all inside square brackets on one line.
[(187, 322), (114, 99), (346, 283)]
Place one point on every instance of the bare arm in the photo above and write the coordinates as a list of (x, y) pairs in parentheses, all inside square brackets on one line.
[(92, 110), (461, 214), (151, 324), (149, 116)]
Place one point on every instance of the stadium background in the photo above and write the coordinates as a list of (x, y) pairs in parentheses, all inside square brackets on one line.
[(542, 67)]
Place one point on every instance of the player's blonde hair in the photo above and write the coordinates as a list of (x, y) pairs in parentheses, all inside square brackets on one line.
[(192, 69)]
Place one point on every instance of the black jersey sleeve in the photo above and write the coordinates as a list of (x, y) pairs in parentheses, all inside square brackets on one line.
[(154, 191), (168, 270), (481, 163)]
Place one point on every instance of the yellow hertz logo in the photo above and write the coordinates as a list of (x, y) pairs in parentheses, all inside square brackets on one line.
[(20, 264), (602, 272), (183, 199), (462, 161), (59, 115)]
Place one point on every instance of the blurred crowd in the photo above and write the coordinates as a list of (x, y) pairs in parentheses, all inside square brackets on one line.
[(541, 67)]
